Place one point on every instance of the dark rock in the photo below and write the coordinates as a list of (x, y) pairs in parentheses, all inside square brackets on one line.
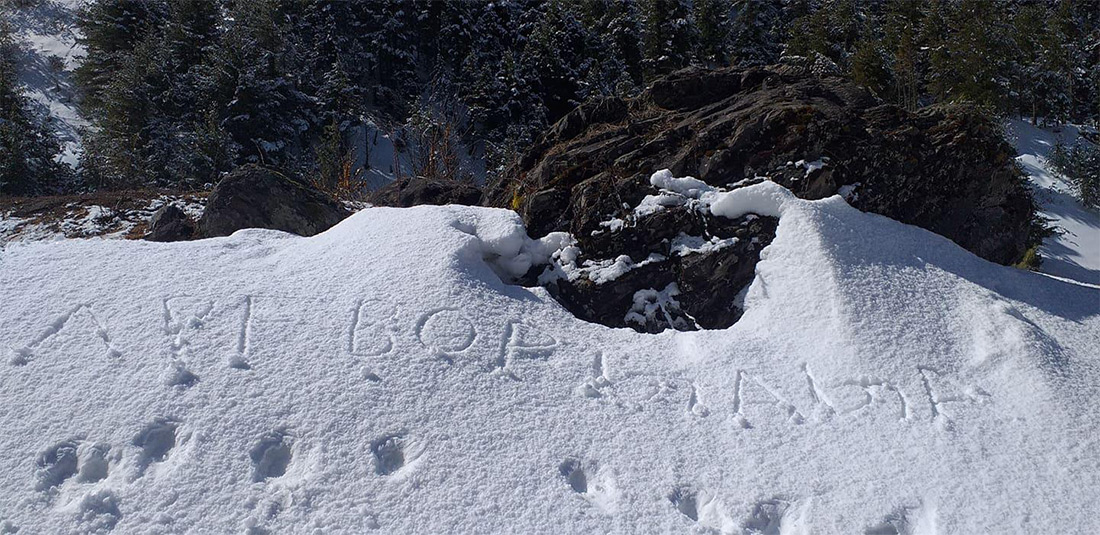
[(253, 196), (945, 168), (170, 223), (684, 291), (408, 192)]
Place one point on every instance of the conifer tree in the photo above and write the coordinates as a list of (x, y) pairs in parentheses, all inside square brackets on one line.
[(669, 36), (28, 148)]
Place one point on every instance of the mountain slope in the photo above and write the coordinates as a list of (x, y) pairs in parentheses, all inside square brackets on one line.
[(1073, 251), (380, 375)]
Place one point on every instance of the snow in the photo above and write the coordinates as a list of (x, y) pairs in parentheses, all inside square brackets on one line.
[(382, 376), (684, 245), (810, 167), (1074, 251), (80, 220), (686, 186), (651, 305)]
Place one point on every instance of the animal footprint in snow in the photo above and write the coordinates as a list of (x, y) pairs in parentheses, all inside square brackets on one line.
[(593, 484), (392, 453), (178, 375), (88, 461), (701, 507), (906, 520), (156, 440), (94, 462), (573, 472), (771, 517), (55, 465), (272, 455)]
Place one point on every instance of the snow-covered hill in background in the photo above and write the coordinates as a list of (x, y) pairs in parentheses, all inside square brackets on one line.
[(382, 376), (1074, 249), (48, 52)]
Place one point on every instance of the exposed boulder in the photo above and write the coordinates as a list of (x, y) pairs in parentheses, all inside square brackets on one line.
[(944, 168), (408, 192), (170, 223), (254, 196)]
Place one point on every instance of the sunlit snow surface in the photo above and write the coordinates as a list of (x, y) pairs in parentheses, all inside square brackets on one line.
[(381, 376), (1074, 250)]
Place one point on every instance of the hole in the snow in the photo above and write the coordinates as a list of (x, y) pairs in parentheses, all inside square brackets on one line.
[(271, 455)]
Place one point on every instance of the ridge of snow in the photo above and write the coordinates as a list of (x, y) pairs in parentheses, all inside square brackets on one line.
[(381, 376)]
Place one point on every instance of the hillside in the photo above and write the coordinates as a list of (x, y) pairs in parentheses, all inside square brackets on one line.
[(381, 376)]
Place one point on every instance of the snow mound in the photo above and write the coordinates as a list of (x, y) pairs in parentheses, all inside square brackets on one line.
[(381, 376)]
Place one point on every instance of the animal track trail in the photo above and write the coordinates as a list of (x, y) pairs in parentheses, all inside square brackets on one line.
[(156, 441), (271, 456)]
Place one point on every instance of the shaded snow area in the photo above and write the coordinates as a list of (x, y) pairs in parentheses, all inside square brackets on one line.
[(380, 376), (383, 155), (1074, 250), (46, 36)]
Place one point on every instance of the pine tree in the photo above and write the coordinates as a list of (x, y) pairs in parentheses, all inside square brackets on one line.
[(669, 36), (554, 57), (28, 148), (755, 33), (255, 87), (614, 28), (712, 19), (111, 30), (902, 23)]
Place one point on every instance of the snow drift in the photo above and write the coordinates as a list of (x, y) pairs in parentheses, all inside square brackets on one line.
[(381, 376)]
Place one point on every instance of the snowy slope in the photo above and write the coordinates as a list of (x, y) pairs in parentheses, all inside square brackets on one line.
[(46, 36), (1074, 250), (381, 376)]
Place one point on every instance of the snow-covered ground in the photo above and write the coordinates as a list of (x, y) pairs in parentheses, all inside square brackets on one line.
[(1074, 250), (46, 37), (105, 215), (382, 376)]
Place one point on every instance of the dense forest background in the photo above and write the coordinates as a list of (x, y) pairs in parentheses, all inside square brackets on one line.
[(180, 91)]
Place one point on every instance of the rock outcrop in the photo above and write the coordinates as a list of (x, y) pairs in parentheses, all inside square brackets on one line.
[(406, 192), (253, 196), (944, 168), (170, 223)]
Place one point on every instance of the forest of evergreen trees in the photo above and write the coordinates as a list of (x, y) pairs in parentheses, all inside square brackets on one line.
[(179, 91)]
